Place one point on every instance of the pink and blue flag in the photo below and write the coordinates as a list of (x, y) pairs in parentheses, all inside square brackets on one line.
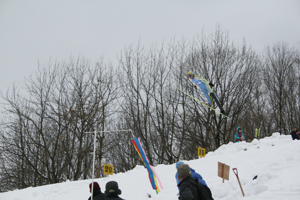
[(153, 177)]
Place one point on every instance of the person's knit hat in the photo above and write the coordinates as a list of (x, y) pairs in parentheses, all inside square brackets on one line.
[(179, 163), (95, 187), (112, 187)]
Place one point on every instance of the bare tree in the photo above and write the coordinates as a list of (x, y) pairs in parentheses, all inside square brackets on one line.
[(137, 99), (151, 103), (46, 131), (281, 79)]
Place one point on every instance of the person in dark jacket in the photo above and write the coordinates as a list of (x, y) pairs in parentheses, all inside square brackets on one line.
[(294, 134), (195, 175), (187, 184), (97, 194), (112, 190)]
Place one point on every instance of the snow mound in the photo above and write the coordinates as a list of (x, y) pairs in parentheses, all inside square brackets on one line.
[(274, 162)]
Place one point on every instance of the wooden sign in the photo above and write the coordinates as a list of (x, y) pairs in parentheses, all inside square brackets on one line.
[(223, 171), (108, 169), (201, 152)]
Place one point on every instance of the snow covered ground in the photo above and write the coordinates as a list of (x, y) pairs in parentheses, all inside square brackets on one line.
[(275, 160)]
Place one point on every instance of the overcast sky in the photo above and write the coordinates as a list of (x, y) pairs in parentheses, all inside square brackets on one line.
[(35, 31)]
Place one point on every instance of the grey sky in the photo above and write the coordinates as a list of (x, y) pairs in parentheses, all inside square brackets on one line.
[(35, 31)]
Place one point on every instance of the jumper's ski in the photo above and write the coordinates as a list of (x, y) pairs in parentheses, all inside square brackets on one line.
[(201, 102)]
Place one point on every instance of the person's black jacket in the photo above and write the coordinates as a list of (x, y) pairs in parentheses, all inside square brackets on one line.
[(294, 135), (188, 189), (113, 197), (98, 195)]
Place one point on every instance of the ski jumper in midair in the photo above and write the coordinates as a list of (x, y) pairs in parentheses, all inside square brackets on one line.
[(206, 89)]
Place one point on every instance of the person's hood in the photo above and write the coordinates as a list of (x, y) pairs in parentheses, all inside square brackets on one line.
[(237, 130), (179, 163), (192, 170)]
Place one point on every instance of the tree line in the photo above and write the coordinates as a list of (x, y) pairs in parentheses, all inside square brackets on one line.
[(48, 123)]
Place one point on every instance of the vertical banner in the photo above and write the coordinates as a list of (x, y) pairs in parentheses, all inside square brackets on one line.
[(201, 152), (257, 133), (153, 177)]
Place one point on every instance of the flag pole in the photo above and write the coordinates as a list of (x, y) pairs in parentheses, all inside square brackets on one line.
[(94, 153)]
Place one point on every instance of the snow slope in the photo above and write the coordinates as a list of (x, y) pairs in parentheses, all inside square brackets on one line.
[(275, 160)]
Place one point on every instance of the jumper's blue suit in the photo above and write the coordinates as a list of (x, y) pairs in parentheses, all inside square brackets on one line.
[(203, 85)]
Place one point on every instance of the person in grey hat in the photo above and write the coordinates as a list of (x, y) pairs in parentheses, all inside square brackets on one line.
[(195, 175), (190, 188), (187, 184), (112, 190)]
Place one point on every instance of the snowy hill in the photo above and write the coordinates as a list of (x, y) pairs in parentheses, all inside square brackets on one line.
[(275, 160)]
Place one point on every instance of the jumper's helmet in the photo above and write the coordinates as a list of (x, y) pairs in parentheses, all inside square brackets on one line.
[(190, 74)]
